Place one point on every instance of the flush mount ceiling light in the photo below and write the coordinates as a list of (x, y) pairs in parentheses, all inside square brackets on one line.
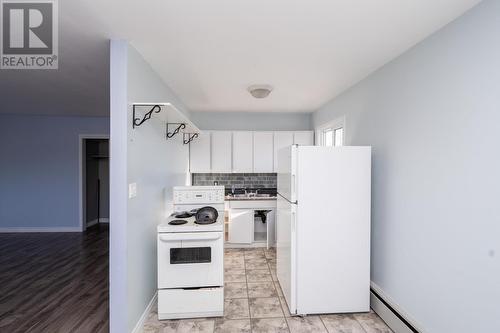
[(260, 90)]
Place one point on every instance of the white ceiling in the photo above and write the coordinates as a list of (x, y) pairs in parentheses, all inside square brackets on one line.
[(209, 52)]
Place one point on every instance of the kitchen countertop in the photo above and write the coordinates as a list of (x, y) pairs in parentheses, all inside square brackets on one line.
[(231, 198)]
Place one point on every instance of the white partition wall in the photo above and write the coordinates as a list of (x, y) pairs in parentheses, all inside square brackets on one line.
[(140, 156), (118, 188)]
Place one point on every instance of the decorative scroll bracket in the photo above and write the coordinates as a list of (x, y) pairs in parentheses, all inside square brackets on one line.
[(179, 127), (188, 137), (138, 121)]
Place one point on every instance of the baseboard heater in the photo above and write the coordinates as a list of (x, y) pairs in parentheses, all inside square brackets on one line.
[(390, 315)]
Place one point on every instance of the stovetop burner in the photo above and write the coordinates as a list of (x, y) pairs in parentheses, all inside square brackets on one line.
[(177, 222), (183, 215)]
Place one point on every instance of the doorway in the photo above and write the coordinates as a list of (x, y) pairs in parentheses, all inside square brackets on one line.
[(94, 181)]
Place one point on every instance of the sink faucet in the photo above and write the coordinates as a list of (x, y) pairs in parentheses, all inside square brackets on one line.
[(253, 194)]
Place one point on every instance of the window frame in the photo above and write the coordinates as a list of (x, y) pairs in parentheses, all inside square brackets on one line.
[(332, 125)]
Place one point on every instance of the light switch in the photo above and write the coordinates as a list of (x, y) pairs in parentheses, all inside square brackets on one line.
[(132, 190)]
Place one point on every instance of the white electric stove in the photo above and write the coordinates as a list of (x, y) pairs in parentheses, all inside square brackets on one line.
[(191, 256), (191, 225)]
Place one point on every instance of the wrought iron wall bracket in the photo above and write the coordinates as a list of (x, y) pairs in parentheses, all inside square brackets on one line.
[(178, 128), (188, 137), (138, 121)]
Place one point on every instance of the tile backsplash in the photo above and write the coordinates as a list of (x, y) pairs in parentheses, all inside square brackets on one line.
[(248, 180)]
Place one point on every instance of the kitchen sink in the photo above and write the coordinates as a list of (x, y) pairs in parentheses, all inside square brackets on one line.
[(250, 195)]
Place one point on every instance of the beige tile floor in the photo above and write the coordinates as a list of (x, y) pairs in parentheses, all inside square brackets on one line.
[(254, 303)]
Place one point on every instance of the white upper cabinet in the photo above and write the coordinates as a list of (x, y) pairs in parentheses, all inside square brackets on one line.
[(221, 151), (303, 138), (263, 154), (199, 153), (242, 151), (281, 140)]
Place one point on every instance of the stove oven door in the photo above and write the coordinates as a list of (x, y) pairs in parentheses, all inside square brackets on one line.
[(190, 260)]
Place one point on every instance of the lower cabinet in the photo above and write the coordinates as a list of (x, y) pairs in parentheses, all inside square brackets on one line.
[(271, 229), (241, 226), (251, 223)]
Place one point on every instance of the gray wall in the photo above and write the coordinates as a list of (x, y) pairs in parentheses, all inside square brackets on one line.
[(39, 165), (433, 119), (155, 165), (256, 121)]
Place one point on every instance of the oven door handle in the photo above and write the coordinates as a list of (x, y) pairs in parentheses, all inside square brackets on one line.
[(189, 237)]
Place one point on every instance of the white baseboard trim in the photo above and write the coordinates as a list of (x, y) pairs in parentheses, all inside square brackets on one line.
[(47, 229), (104, 220), (392, 313), (140, 323)]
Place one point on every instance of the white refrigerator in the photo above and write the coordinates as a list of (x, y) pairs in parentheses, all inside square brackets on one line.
[(323, 228)]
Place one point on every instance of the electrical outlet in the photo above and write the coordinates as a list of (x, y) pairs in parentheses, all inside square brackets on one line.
[(132, 190)]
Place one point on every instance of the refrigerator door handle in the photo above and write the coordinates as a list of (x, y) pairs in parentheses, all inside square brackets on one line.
[(292, 202), (293, 258), (293, 172)]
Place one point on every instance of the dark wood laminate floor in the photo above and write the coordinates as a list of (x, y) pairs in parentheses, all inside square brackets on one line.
[(55, 282)]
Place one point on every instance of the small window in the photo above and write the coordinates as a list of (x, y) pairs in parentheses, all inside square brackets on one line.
[(329, 139), (339, 137), (331, 134)]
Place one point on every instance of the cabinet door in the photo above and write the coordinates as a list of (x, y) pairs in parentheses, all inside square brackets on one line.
[(271, 229), (221, 151), (281, 140), (199, 153), (303, 138), (241, 226), (263, 154), (242, 152)]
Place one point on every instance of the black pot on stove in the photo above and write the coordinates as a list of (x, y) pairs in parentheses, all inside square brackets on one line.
[(206, 215)]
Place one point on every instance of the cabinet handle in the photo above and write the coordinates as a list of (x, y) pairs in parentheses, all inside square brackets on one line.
[(185, 237)]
